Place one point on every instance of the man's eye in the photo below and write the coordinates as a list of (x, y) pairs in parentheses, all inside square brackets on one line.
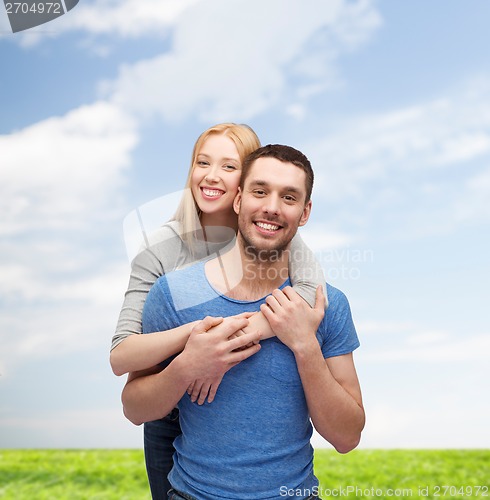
[(289, 198), (259, 192)]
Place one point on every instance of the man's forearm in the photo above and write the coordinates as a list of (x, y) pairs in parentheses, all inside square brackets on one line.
[(337, 415), (152, 397)]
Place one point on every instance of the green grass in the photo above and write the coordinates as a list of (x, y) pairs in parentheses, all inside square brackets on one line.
[(120, 474), (408, 473), (73, 474)]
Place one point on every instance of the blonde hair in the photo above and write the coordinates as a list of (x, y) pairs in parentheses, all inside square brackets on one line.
[(188, 213)]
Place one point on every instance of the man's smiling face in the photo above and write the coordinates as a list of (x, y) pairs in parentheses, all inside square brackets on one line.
[(271, 205)]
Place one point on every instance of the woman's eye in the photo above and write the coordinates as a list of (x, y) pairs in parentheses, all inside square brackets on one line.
[(202, 163), (229, 167)]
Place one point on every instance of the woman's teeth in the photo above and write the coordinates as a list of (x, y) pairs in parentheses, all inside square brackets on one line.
[(212, 192)]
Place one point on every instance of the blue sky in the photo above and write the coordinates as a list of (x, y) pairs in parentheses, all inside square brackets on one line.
[(99, 111)]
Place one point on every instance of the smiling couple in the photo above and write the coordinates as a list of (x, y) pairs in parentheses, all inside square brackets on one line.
[(239, 359)]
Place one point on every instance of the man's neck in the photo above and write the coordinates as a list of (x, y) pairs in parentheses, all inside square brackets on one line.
[(244, 274)]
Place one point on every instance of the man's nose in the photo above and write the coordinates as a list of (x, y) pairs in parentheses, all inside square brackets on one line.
[(272, 205)]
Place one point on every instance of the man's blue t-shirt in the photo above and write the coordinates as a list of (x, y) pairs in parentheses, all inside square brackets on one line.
[(253, 440)]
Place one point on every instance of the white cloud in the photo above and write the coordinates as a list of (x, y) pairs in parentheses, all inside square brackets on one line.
[(424, 166), (480, 182), (82, 428), (322, 239), (427, 338), (125, 19), (373, 327), (407, 341), (211, 72), (49, 316), (129, 18), (462, 147), (472, 204), (427, 347), (4, 23), (56, 172), (60, 204), (372, 148), (414, 424)]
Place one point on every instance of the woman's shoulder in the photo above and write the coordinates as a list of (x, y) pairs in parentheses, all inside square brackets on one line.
[(163, 247), (166, 231), (167, 234)]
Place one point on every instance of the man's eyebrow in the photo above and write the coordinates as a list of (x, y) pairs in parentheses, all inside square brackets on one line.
[(288, 189), (292, 189)]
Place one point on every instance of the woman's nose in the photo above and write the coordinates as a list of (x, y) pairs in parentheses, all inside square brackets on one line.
[(212, 175)]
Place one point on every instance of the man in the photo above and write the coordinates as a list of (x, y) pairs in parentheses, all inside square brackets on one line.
[(253, 440)]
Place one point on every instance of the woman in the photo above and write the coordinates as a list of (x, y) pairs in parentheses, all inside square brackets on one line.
[(204, 225)]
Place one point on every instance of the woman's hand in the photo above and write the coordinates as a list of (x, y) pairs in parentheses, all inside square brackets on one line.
[(199, 390), (224, 335), (239, 333)]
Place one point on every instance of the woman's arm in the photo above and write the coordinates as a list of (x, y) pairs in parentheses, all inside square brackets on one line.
[(305, 271), (131, 351), (138, 352)]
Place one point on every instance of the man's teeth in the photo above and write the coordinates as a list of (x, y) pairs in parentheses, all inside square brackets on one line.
[(212, 192), (267, 227)]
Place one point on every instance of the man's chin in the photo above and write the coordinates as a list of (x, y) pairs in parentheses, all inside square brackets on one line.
[(263, 252)]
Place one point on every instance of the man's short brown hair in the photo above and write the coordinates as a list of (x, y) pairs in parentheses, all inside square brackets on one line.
[(286, 154)]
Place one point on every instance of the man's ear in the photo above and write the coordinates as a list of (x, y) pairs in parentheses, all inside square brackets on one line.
[(306, 214), (237, 201)]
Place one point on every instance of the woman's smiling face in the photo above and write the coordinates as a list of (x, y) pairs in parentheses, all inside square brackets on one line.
[(216, 175)]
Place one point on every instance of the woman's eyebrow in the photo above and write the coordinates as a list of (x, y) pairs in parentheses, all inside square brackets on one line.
[(223, 159)]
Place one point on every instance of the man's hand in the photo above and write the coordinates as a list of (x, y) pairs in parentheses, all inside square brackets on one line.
[(213, 348), (200, 390), (293, 321)]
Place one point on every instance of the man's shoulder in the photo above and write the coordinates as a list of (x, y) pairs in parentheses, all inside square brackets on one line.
[(185, 288), (337, 331), (338, 310), (336, 297), (194, 270)]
